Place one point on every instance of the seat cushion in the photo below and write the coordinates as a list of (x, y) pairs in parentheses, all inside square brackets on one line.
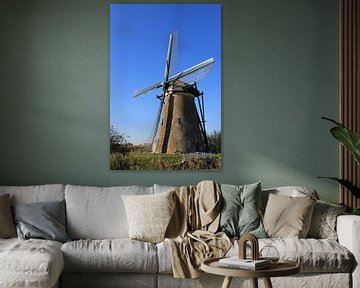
[(98, 212), (164, 257), (30, 263), (117, 255), (313, 255)]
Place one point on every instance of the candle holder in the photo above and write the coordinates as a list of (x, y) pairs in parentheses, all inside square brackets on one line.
[(254, 246)]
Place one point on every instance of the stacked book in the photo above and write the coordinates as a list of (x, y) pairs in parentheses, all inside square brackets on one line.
[(248, 264)]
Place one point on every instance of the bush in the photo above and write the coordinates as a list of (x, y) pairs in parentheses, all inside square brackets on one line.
[(119, 162), (118, 142), (214, 142)]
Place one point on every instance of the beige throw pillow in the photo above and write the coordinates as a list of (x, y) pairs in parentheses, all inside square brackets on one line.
[(288, 217), (149, 215), (7, 226)]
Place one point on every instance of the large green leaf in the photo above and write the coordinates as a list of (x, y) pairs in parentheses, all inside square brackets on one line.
[(347, 184), (348, 138)]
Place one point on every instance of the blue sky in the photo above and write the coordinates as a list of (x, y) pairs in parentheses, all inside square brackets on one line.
[(139, 36)]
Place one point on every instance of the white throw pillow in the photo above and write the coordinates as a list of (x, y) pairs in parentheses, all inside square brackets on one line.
[(149, 215)]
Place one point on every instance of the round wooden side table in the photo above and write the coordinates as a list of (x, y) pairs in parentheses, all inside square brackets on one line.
[(281, 268)]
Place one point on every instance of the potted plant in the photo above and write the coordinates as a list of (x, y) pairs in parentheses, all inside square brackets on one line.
[(351, 141)]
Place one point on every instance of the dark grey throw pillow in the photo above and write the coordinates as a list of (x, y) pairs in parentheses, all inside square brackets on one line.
[(44, 220), (240, 210)]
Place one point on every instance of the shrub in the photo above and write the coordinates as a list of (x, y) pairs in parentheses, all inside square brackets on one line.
[(214, 142)]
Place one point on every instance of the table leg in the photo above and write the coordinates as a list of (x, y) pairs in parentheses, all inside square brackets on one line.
[(254, 282), (227, 282), (267, 283)]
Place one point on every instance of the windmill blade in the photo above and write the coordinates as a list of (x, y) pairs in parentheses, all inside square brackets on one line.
[(148, 89), (192, 74), (174, 52), (197, 75), (199, 68), (168, 59), (157, 119), (171, 56)]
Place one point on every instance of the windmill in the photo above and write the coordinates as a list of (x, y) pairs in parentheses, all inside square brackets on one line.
[(180, 123)]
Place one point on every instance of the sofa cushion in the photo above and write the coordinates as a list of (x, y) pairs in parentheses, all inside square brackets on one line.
[(313, 255), (323, 222), (163, 188), (164, 257), (291, 191), (43, 220), (116, 255), (287, 216), (98, 213), (149, 215), (240, 210), (30, 263), (35, 193), (7, 226)]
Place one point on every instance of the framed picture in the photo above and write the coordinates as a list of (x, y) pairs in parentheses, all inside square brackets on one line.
[(165, 86)]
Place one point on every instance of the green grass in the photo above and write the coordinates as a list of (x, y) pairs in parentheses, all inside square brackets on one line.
[(140, 159)]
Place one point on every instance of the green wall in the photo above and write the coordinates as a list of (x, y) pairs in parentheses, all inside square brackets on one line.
[(280, 75)]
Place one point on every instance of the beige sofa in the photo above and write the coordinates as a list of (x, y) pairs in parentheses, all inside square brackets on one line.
[(101, 254)]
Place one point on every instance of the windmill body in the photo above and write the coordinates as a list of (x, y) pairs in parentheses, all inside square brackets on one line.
[(180, 123), (179, 129)]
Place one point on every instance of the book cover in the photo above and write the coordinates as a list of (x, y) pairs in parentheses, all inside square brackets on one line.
[(236, 262)]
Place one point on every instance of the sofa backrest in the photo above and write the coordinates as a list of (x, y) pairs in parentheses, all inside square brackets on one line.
[(293, 191), (98, 212), (36, 193), (163, 188)]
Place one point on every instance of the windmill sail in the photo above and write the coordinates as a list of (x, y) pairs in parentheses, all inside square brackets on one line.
[(174, 52), (168, 59), (148, 89), (166, 77), (198, 71), (196, 68), (196, 75)]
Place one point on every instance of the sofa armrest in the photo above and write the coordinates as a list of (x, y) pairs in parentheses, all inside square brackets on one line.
[(348, 230)]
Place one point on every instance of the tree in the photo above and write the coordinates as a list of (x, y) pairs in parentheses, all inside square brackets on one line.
[(214, 142), (118, 142)]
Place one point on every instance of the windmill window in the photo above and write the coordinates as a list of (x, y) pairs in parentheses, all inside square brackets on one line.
[(179, 121)]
